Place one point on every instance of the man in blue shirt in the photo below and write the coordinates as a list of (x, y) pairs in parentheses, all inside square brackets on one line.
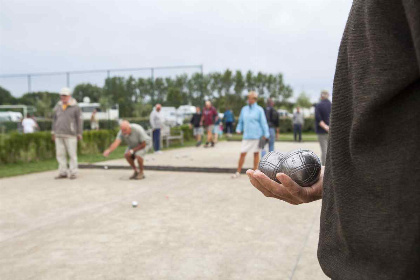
[(253, 123), (322, 123)]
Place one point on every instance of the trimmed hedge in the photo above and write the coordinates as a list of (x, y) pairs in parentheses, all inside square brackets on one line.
[(45, 125), (188, 132), (17, 147)]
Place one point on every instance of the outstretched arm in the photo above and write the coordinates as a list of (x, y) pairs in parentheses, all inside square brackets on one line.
[(111, 148)]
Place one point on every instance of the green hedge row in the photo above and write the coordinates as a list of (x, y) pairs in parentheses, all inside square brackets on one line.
[(188, 133), (45, 125), (17, 147)]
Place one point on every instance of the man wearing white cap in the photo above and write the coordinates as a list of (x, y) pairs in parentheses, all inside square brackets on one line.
[(67, 129)]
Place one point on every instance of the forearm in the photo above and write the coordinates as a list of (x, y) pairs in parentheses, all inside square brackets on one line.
[(142, 145), (113, 146), (324, 126)]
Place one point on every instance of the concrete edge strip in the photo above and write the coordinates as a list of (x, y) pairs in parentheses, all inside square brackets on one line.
[(165, 168)]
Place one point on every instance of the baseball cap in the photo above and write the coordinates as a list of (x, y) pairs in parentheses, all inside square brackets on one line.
[(65, 91)]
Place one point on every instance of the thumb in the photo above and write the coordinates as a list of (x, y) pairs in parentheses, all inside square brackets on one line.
[(291, 186)]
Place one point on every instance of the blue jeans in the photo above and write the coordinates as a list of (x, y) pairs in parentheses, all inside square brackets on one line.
[(271, 141), (229, 127), (297, 129), (156, 139)]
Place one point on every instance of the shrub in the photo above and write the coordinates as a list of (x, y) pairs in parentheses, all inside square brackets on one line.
[(37, 146), (188, 132)]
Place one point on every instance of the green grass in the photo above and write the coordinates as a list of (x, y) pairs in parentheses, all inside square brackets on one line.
[(306, 137), (21, 168)]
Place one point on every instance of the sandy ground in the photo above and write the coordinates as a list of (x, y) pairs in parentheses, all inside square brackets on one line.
[(187, 225)]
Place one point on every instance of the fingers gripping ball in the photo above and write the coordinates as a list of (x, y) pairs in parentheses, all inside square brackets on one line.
[(270, 164), (303, 166)]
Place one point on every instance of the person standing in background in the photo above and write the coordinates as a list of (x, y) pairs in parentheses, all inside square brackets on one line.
[(273, 124), (229, 120), (207, 120), (253, 123), (195, 125), (322, 123), (297, 124), (67, 128), (94, 122), (29, 125), (157, 123)]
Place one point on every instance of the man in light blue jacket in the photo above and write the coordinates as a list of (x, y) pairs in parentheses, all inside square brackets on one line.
[(253, 123)]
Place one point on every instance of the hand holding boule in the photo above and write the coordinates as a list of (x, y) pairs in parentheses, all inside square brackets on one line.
[(288, 191), (303, 166)]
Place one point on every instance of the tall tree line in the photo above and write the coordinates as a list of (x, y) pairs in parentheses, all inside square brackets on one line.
[(227, 89)]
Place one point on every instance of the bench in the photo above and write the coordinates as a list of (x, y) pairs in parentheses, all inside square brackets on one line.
[(165, 135)]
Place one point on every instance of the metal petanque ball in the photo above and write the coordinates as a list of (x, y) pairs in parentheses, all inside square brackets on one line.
[(270, 164), (303, 166)]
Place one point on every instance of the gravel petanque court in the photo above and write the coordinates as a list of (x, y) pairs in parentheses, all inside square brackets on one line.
[(186, 226)]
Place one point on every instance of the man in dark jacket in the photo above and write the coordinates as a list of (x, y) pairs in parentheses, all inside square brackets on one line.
[(370, 218), (322, 123), (273, 125)]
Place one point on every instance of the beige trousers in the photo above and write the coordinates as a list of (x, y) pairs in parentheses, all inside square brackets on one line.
[(63, 147), (323, 142)]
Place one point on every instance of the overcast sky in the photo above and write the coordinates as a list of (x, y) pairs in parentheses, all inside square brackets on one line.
[(299, 38)]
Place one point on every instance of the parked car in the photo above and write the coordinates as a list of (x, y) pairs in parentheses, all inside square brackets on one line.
[(87, 108), (10, 116), (170, 117), (284, 113)]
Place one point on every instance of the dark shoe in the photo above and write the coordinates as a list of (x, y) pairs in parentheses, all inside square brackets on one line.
[(206, 145), (198, 144), (60, 176), (73, 176), (134, 176), (212, 144)]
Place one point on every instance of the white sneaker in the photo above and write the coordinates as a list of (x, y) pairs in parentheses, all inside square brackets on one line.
[(158, 152), (236, 175)]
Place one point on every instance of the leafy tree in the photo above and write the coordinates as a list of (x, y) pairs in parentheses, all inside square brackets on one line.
[(239, 83), (87, 90), (6, 97), (115, 92), (303, 101), (250, 81), (259, 82), (226, 82), (174, 97), (145, 88)]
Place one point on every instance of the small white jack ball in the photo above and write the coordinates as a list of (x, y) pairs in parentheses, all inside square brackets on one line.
[(134, 203), (106, 166)]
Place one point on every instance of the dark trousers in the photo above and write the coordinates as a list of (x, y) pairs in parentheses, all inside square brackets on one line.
[(156, 139), (229, 127), (297, 129)]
